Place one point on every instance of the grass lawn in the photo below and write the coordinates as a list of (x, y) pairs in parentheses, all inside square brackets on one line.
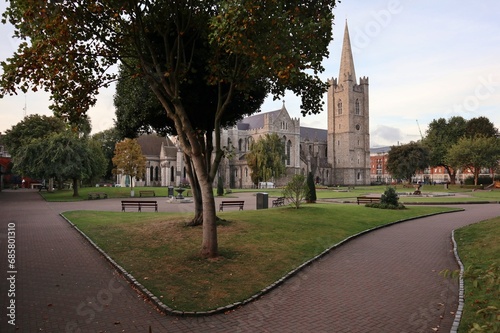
[(256, 247), (479, 250)]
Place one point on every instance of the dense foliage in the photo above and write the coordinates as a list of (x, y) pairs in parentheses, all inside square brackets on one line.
[(405, 160), (266, 158)]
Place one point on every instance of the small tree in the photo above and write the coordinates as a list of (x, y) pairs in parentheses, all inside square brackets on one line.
[(296, 190), (311, 194), (129, 160)]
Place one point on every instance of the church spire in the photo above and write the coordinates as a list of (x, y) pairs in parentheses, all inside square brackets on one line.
[(346, 61)]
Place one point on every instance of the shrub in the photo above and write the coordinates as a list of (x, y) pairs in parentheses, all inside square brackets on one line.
[(482, 180), (388, 200), (311, 194), (390, 197)]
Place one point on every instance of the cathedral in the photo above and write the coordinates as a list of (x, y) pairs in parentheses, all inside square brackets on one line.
[(338, 155)]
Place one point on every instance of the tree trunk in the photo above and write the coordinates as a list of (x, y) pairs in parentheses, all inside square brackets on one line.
[(75, 187), (209, 246), (51, 185), (452, 173), (195, 189)]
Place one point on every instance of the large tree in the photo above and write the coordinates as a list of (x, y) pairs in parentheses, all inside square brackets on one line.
[(475, 153), (70, 45), (480, 126), (107, 140), (441, 135), (61, 155), (30, 128), (405, 160), (266, 158)]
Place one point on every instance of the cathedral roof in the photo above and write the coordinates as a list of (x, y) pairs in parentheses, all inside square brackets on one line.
[(313, 134), (151, 144), (256, 121)]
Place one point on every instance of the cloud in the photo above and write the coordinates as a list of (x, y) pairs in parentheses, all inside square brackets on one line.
[(386, 135)]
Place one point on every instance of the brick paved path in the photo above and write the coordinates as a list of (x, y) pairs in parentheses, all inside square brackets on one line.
[(386, 281)]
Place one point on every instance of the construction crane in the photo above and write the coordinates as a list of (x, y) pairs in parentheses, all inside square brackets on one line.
[(419, 130)]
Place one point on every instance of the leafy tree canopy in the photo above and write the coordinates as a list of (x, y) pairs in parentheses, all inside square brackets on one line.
[(474, 153), (30, 128), (60, 155), (129, 159), (107, 140), (266, 158), (405, 160), (480, 126), (443, 134)]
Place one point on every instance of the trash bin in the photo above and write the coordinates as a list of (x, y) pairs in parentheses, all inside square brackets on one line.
[(262, 200), (170, 191)]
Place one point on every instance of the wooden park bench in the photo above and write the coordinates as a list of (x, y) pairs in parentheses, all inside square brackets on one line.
[(280, 201), (97, 195), (366, 200), (151, 193), (231, 204), (139, 204)]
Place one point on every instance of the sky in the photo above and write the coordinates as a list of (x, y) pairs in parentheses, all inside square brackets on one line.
[(424, 59)]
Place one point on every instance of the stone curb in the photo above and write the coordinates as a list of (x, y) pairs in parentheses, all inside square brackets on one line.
[(461, 290), (167, 310)]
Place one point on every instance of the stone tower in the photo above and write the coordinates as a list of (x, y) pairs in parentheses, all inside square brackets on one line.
[(348, 123)]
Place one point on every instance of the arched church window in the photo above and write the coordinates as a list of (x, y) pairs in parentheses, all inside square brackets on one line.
[(172, 174), (151, 173), (240, 144), (339, 107), (157, 173), (288, 151), (357, 111)]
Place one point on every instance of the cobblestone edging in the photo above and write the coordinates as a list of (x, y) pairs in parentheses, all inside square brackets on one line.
[(458, 314), (167, 310)]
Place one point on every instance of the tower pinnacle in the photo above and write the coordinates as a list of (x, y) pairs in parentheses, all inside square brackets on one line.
[(346, 61)]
